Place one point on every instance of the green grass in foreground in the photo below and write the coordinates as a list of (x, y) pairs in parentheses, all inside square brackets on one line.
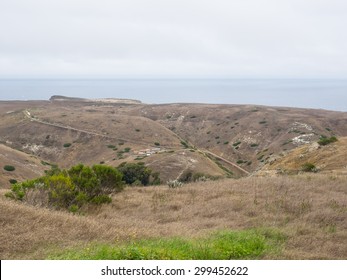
[(223, 245)]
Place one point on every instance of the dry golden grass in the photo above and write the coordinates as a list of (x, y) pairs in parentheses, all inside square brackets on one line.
[(311, 210), (330, 158)]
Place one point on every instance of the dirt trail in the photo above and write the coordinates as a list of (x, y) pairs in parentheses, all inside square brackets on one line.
[(28, 115)]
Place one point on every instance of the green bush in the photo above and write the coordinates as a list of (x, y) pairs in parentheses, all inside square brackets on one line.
[(157, 143), (127, 150), (13, 181), (185, 144), (9, 168), (323, 141), (133, 172), (237, 143), (309, 167), (67, 145), (71, 189)]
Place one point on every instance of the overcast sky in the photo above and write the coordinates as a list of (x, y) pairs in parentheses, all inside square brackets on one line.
[(173, 38)]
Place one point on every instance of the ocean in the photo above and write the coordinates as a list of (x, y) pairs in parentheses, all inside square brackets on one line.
[(320, 94)]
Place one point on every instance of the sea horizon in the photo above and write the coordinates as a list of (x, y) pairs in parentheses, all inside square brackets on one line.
[(328, 94)]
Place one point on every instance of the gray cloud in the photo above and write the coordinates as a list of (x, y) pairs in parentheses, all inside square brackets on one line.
[(220, 38)]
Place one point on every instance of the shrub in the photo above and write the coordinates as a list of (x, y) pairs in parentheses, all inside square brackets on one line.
[(127, 150), (309, 167), (67, 145), (157, 143), (323, 141), (237, 143), (254, 145), (70, 189), (185, 144), (13, 181), (226, 142), (135, 172), (9, 168)]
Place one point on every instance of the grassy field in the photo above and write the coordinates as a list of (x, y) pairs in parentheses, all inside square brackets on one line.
[(288, 217)]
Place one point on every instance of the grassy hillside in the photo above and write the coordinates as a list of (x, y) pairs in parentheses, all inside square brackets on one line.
[(307, 212), (327, 159), (24, 166)]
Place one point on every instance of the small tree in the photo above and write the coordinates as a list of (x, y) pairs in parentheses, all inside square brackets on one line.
[(133, 172)]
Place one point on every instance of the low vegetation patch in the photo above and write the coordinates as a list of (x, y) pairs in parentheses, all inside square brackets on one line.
[(223, 245), (189, 177), (185, 144), (309, 167), (237, 143), (323, 141), (67, 145), (13, 181), (9, 168)]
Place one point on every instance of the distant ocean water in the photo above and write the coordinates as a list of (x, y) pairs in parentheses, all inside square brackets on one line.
[(325, 94)]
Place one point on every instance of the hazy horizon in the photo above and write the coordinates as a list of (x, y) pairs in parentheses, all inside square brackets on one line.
[(329, 94)]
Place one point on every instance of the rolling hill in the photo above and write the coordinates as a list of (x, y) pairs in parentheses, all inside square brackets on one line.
[(260, 146), (216, 140)]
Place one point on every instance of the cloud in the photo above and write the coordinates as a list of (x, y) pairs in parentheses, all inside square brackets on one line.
[(240, 38)]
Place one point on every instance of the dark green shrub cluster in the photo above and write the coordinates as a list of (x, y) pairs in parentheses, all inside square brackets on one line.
[(189, 176), (157, 144), (67, 145), (70, 189), (138, 174), (323, 141), (9, 168), (13, 181), (237, 143)]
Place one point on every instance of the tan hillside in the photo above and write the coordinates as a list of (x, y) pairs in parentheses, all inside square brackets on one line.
[(26, 166), (218, 140), (329, 158)]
